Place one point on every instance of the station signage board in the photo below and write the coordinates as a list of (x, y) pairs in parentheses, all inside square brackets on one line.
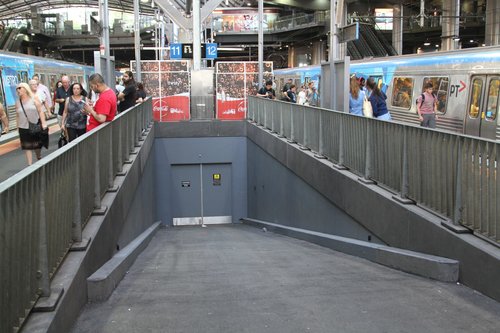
[(185, 51)]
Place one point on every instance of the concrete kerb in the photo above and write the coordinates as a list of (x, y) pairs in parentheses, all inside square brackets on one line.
[(429, 266), (103, 282)]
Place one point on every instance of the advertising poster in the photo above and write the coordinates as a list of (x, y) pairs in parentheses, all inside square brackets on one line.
[(168, 82), (235, 81)]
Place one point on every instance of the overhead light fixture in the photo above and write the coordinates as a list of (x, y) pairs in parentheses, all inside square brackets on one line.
[(227, 2), (230, 48), (427, 43), (456, 38)]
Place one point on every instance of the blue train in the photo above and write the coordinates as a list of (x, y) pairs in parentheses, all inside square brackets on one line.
[(16, 68), (467, 84)]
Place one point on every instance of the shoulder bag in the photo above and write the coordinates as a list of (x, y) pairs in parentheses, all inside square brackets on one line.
[(367, 108), (34, 129)]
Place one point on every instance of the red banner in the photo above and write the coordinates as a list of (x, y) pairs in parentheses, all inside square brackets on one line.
[(231, 110), (171, 108)]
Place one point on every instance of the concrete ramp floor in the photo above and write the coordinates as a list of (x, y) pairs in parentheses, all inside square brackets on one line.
[(237, 278)]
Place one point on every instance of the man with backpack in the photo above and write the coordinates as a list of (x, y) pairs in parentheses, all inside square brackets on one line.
[(427, 107)]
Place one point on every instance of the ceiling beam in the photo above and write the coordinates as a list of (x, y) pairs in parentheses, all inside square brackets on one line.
[(174, 14), (208, 8)]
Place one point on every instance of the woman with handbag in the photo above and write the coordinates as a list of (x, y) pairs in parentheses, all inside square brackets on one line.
[(74, 119), (377, 99), (33, 130)]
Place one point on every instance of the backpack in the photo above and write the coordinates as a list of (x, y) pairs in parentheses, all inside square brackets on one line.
[(423, 98)]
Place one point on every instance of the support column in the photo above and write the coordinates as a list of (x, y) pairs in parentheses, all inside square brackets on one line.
[(137, 41), (492, 28), (318, 52), (397, 28), (450, 29), (333, 53), (261, 43), (109, 78), (196, 36), (291, 56)]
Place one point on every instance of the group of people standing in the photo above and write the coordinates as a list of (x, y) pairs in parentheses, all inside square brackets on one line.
[(306, 96), (78, 111), (359, 95)]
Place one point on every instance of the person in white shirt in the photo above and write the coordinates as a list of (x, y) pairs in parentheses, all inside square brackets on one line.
[(41, 96), (44, 91), (302, 96)]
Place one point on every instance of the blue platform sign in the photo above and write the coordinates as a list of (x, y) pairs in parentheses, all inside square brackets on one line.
[(176, 51), (211, 50)]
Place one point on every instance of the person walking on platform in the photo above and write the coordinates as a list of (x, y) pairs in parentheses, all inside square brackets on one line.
[(4, 121), (312, 95), (377, 99), (127, 97), (104, 108), (301, 96), (74, 118), (29, 110), (356, 97), (44, 92), (62, 93), (291, 93), (284, 91), (267, 91), (427, 107), (41, 96)]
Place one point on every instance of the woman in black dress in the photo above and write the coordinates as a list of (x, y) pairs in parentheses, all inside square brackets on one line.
[(29, 110), (74, 119)]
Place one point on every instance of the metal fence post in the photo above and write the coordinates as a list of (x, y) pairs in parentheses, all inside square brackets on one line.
[(368, 154), (340, 160), (321, 148), (77, 215), (281, 133), (97, 178), (457, 211), (403, 197), (120, 148), (43, 258), (292, 132), (304, 129), (111, 173)]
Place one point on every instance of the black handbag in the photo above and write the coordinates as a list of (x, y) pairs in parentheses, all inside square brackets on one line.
[(62, 140), (34, 129)]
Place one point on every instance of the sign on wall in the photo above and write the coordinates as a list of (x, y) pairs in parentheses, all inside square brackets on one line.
[(235, 81), (168, 82)]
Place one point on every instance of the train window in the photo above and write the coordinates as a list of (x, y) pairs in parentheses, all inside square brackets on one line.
[(476, 96), (22, 76), (492, 102), (440, 85), (73, 78), (52, 82), (402, 89)]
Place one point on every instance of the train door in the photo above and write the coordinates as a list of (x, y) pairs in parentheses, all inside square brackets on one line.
[(482, 109)]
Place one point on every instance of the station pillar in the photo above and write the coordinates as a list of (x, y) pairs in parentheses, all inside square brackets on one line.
[(397, 28), (492, 28), (318, 53), (450, 29)]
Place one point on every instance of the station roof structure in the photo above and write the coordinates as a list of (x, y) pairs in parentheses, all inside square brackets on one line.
[(22, 8)]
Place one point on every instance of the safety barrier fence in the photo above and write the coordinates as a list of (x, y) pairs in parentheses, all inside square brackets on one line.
[(45, 207), (453, 175)]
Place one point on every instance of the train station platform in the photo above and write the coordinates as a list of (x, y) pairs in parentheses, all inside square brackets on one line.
[(239, 278), (372, 244)]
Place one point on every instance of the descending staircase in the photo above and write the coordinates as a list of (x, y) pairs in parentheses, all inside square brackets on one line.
[(10, 40)]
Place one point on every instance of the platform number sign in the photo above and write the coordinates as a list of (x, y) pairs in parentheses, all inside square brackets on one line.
[(185, 51), (175, 51), (211, 50)]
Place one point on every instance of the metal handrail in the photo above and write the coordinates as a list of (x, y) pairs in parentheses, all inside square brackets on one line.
[(454, 175), (45, 207)]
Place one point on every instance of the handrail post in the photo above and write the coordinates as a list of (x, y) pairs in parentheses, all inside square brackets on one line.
[(403, 197), (368, 154), (321, 148), (120, 148), (305, 142)]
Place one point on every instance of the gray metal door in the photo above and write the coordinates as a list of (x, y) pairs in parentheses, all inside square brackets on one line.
[(195, 202)]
